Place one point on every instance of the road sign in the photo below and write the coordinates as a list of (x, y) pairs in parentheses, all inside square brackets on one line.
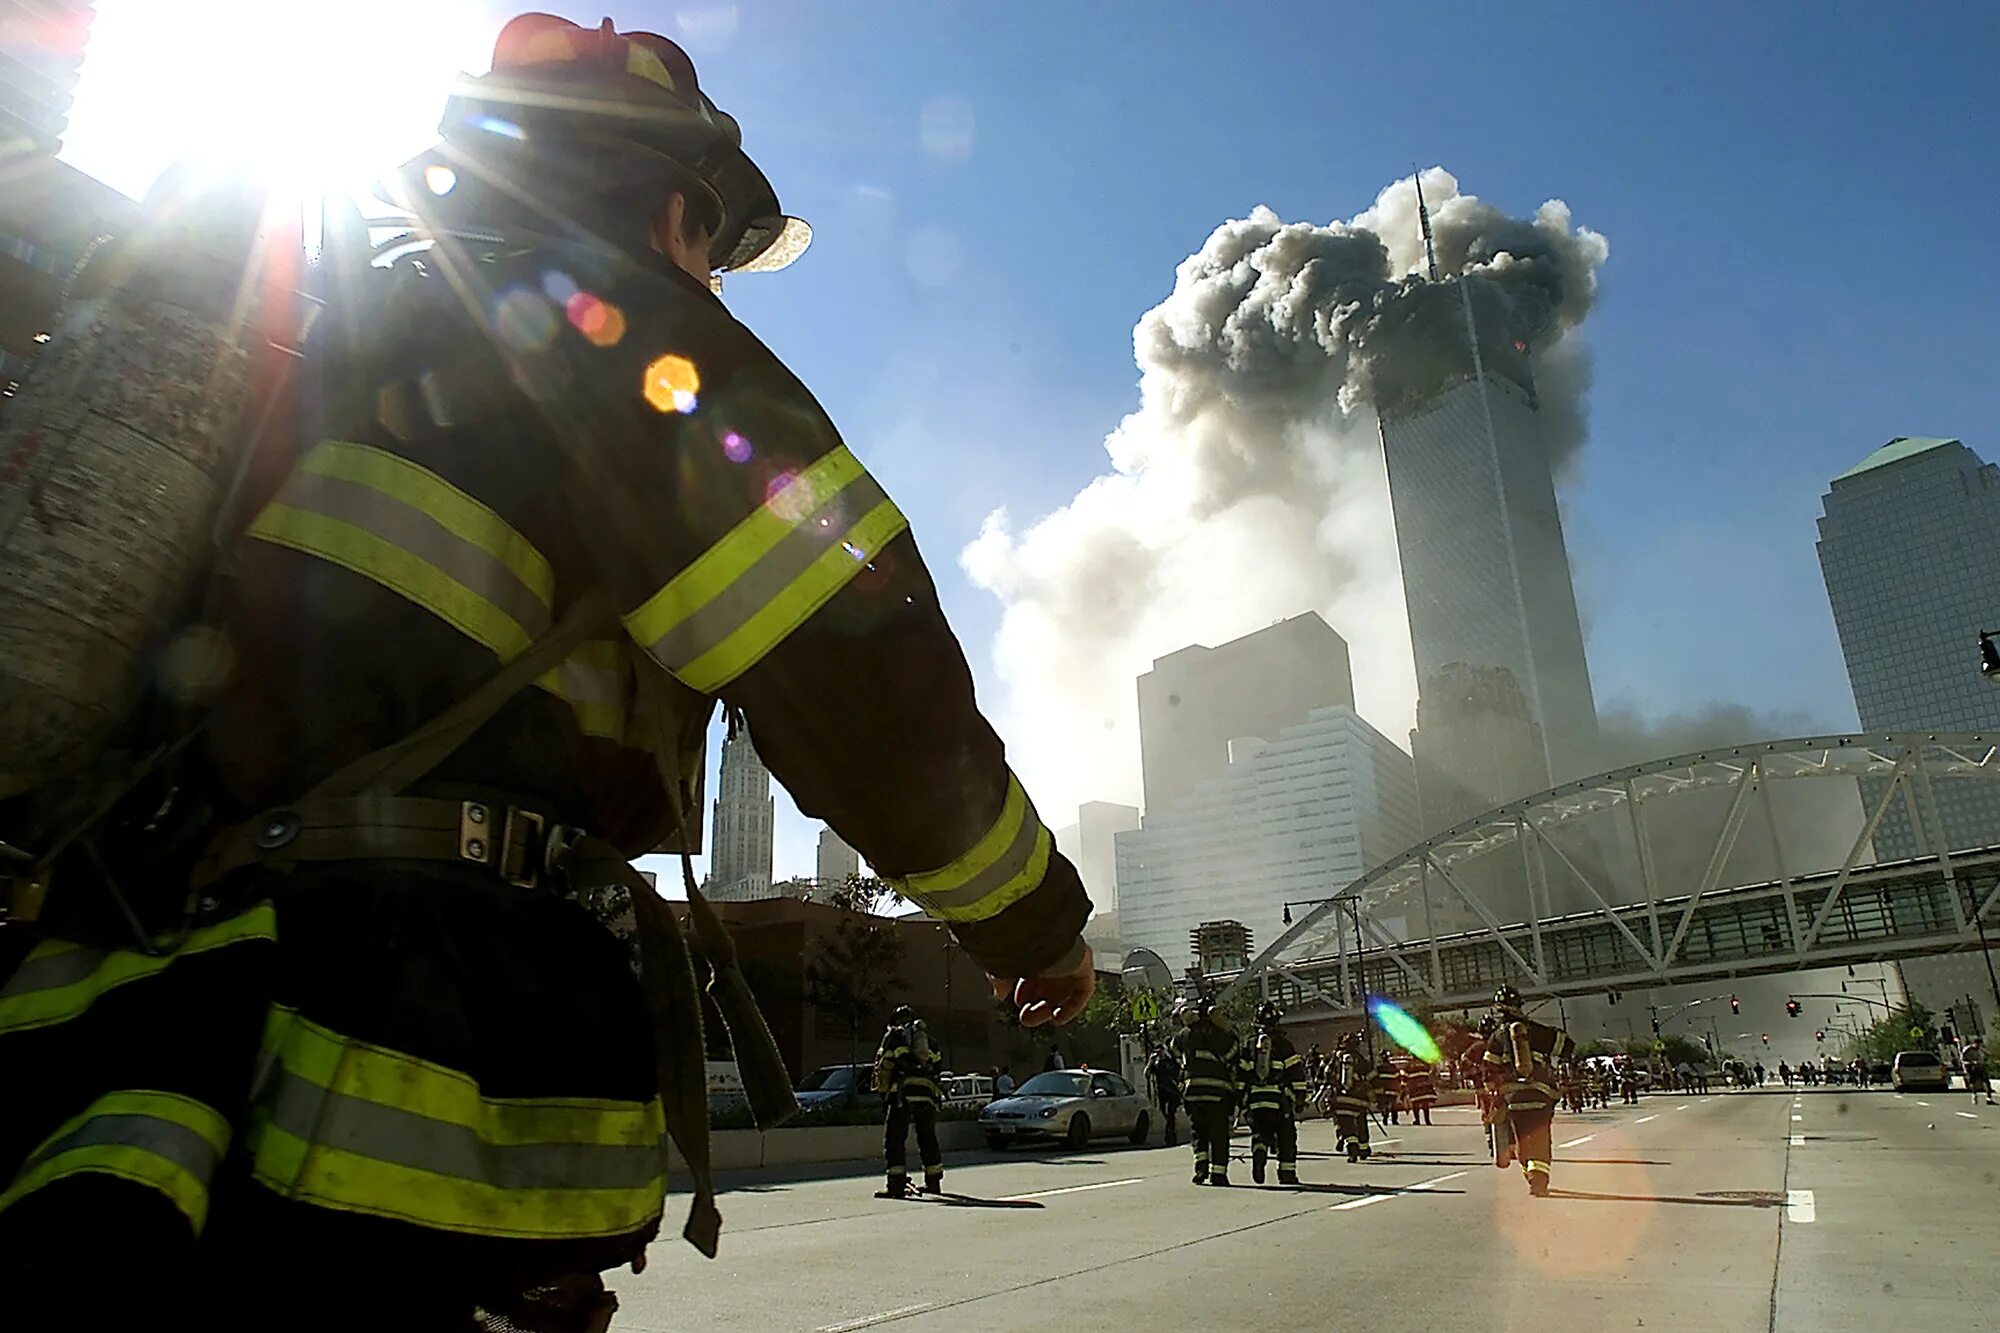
[(1145, 1007)]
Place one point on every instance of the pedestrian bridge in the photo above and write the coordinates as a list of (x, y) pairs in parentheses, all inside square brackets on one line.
[(1359, 941)]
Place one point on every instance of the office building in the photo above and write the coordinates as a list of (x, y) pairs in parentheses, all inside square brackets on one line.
[(837, 861), (739, 865), (1909, 545), (1294, 818), (1194, 701), (38, 73), (1486, 572)]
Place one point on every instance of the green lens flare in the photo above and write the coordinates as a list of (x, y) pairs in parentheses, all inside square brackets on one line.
[(1405, 1031)]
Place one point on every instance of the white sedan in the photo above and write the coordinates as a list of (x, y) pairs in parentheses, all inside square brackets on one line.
[(1074, 1105)]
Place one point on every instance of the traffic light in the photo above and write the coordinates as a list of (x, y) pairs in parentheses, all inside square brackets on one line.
[(1820, 1035), (1734, 1007), (1767, 1038), (1792, 1008)]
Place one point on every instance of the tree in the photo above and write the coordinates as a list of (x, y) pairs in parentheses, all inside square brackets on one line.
[(1907, 1029), (852, 974), (865, 894)]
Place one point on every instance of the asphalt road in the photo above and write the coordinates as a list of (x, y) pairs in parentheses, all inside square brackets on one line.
[(1825, 1210)]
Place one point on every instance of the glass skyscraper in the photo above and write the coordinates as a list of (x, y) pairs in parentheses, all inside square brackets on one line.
[(1909, 545)]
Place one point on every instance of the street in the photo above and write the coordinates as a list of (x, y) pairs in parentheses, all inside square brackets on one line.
[(1820, 1209)]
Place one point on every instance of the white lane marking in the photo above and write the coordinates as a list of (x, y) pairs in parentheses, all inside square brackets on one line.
[(1644, 1118), (1574, 1142), (1365, 1200), (1967, 1114), (1799, 1206), (1797, 1141), (1068, 1189), (1387, 1141), (865, 1321), (1922, 1103), (1798, 1117)]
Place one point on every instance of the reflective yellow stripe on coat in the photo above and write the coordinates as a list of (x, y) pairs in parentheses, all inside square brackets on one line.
[(161, 1140), (354, 1127), (403, 526), (739, 599), (59, 980), (1003, 867)]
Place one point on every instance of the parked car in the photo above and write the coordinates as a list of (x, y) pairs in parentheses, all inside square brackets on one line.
[(967, 1091), (1074, 1105), (838, 1085), (1919, 1071)]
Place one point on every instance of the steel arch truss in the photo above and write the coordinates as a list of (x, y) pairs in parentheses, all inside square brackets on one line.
[(1640, 930)]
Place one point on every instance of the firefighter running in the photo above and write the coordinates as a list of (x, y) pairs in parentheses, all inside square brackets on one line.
[(906, 1074), (1520, 1062), (1268, 1070), (1207, 1053)]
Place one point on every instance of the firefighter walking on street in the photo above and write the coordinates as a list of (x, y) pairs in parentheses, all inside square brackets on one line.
[(906, 1074), (1521, 1061), (1207, 1053), (1420, 1090), (1352, 1084), (1269, 1070)]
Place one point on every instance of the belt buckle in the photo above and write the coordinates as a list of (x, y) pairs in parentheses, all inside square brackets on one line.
[(516, 865)]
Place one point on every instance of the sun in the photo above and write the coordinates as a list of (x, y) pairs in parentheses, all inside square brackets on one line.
[(315, 98)]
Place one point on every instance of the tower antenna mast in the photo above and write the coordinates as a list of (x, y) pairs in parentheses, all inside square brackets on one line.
[(1424, 218)]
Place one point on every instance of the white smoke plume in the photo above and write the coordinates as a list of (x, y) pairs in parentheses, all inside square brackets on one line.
[(1249, 484)]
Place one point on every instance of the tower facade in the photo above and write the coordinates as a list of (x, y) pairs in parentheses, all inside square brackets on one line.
[(740, 857)]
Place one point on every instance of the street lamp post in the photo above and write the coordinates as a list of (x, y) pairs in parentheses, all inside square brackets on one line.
[(1350, 906)]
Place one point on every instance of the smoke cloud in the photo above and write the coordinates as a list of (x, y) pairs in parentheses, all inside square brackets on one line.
[(1249, 484)]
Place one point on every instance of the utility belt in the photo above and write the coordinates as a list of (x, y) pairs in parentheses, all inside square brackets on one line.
[(521, 845)]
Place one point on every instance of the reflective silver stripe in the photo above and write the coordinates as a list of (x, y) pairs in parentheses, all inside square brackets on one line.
[(772, 573), (162, 1138), (309, 1112), (1004, 868), (47, 971), (411, 529)]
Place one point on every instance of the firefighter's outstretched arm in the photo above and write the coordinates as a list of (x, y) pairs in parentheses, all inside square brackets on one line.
[(757, 559)]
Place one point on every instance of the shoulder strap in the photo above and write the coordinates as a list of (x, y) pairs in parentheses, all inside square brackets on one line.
[(394, 768)]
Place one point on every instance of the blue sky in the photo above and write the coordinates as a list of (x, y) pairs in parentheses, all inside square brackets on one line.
[(1796, 209)]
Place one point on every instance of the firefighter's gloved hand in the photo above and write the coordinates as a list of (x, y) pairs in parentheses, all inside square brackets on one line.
[(1055, 998)]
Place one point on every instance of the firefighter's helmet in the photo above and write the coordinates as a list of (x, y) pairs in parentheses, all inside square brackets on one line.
[(611, 114), (1268, 1014), (903, 1016), (1507, 1001)]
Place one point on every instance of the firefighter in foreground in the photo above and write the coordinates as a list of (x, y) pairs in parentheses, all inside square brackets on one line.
[(906, 1074), (388, 1072), (1351, 1089), (1269, 1070), (1521, 1060), (1207, 1053)]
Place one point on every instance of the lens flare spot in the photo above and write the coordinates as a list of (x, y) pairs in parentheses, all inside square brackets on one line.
[(440, 179), (672, 383), (506, 129), (854, 552), (789, 498), (735, 448), (559, 286), (599, 321), (1404, 1030), (523, 321)]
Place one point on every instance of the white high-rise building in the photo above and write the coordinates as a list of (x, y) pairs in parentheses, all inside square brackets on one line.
[(1296, 817), (837, 861), (1504, 704), (1910, 550), (739, 865)]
